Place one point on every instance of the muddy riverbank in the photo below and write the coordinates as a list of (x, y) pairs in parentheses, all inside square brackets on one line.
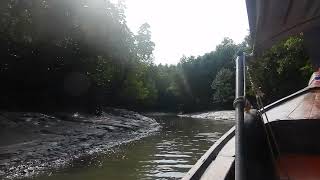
[(33, 143), (213, 115), (167, 154)]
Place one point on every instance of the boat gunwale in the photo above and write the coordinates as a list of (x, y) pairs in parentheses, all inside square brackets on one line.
[(287, 98), (203, 163)]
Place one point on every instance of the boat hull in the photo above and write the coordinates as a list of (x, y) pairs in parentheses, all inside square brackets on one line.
[(276, 147)]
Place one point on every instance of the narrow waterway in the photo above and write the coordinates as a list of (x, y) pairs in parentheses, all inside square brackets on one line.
[(167, 154)]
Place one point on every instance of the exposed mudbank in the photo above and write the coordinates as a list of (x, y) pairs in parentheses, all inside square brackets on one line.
[(160, 114), (33, 143), (215, 115)]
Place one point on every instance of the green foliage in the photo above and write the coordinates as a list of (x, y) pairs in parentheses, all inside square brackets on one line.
[(59, 54), (144, 44), (49, 45), (223, 86), (197, 74), (282, 70)]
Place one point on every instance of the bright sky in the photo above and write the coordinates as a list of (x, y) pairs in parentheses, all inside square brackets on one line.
[(188, 27)]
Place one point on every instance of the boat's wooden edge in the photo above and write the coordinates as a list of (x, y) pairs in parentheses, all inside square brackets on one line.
[(197, 171), (287, 98), (221, 167), (199, 168)]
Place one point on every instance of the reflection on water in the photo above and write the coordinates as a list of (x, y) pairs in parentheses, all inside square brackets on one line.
[(168, 154)]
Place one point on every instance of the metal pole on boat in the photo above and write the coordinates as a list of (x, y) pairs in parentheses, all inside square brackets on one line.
[(239, 103)]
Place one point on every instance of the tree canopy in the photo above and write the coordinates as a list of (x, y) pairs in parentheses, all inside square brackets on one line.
[(78, 54)]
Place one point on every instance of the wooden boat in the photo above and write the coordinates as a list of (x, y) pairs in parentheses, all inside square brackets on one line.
[(278, 141)]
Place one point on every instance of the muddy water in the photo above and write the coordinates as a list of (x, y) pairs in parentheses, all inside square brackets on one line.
[(168, 154)]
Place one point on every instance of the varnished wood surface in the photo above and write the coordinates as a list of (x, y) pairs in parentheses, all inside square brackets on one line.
[(304, 106), (299, 167)]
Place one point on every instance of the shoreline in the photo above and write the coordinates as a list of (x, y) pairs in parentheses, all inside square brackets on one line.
[(213, 115), (34, 143)]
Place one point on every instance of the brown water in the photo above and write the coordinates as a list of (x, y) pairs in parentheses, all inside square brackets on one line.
[(167, 154)]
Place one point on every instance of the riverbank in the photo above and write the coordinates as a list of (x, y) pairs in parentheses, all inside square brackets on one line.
[(166, 155), (34, 143), (214, 115)]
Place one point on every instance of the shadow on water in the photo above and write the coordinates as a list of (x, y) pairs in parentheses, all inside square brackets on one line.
[(167, 154)]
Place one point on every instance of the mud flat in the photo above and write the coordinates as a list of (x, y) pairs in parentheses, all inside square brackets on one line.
[(214, 115), (32, 143)]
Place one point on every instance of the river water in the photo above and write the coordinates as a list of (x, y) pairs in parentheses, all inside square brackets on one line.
[(167, 154)]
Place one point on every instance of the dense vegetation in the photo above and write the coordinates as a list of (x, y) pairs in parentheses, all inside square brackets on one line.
[(72, 54), (81, 55), (282, 70)]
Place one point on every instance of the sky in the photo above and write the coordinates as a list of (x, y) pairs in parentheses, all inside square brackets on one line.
[(188, 27)]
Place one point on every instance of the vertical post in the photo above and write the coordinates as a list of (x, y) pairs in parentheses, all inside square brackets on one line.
[(240, 173)]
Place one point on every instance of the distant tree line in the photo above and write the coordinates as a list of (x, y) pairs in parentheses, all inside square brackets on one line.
[(81, 55)]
